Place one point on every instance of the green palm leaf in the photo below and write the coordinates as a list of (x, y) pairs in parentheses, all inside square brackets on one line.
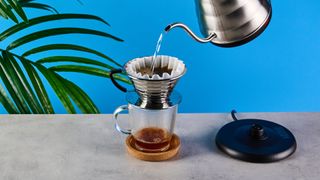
[(39, 6), (16, 6), (24, 91), (68, 47), (38, 86), (10, 81), (3, 14), (87, 70), (21, 26), (57, 31), (25, 1), (81, 99), (22, 83), (58, 87), (6, 11), (8, 7), (74, 59), (7, 102)]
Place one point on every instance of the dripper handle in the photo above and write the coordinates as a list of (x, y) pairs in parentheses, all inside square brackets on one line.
[(116, 71)]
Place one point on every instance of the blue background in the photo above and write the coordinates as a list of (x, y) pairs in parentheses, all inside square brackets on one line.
[(278, 71)]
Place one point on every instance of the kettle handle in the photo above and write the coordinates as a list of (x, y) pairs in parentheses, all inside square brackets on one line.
[(114, 82)]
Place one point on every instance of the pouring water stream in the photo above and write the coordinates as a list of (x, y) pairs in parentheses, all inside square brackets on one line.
[(158, 47)]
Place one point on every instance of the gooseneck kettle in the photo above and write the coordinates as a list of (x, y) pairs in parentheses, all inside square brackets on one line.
[(229, 23)]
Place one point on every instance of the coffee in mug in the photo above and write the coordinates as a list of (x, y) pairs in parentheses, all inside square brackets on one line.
[(152, 129), (152, 139)]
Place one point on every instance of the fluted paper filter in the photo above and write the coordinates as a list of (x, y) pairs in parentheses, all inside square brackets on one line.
[(165, 67)]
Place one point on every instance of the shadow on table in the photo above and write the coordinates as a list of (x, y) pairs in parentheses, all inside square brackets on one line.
[(198, 145)]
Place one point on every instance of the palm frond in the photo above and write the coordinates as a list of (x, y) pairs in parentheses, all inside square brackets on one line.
[(16, 6), (67, 91), (11, 83), (57, 31), (38, 86), (87, 70), (22, 83), (48, 18), (11, 9), (25, 1), (7, 103), (79, 97), (74, 59), (40, 6), (68, 47), (24, 80), (58, 87)]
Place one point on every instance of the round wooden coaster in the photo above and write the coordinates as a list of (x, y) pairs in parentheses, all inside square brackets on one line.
[(158, 156)]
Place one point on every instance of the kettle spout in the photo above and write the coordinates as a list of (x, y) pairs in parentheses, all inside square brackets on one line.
[(188, 30)]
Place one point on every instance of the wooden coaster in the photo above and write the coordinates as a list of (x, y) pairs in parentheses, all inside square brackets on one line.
[(158, 156)]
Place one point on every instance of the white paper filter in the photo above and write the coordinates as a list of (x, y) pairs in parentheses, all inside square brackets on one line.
[(177, 66)]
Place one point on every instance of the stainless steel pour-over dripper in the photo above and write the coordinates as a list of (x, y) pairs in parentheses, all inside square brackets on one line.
[(153, 93), (229, 23)]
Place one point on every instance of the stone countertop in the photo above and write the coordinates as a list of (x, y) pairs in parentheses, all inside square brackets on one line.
[(87, 147)]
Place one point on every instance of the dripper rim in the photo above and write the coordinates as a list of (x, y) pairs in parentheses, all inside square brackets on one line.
[(172, 78)]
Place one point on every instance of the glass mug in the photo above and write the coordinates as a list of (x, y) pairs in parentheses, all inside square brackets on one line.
[(152, 129)]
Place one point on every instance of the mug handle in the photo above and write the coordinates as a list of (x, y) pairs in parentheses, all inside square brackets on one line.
[(115, 71), (115, 117)]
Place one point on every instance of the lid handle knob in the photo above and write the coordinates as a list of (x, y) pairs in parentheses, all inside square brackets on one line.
[(257, 132)]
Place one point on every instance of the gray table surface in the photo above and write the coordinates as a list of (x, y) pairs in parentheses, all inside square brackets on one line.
[(86, 147)]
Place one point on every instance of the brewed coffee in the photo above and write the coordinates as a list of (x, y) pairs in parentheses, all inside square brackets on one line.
[(157, 70), (152, 139)]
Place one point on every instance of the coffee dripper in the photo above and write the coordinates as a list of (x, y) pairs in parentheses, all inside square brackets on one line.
[(154, 92), (152, 105)]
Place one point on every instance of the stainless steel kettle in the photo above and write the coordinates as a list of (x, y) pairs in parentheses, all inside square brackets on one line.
[(229, 23)]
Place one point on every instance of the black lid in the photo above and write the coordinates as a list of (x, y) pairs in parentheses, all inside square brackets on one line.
[(256, 140)]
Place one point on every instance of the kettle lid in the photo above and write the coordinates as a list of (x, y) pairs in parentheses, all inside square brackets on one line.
[(256, 140)]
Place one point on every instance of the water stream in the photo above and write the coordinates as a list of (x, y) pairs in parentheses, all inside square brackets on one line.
[(156, 52)]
